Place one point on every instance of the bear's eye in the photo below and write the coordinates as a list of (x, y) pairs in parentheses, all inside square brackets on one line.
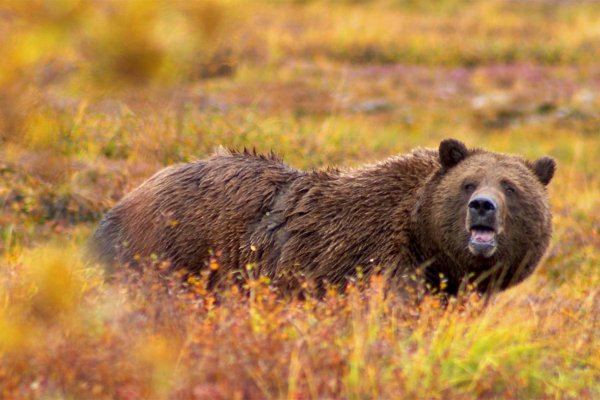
[(509, 189), (469, 187)]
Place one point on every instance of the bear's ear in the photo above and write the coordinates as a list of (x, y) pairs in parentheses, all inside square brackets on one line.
[(544, 168), (452, 152)]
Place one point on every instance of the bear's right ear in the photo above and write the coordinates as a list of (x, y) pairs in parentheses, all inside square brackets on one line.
[(452, 152)]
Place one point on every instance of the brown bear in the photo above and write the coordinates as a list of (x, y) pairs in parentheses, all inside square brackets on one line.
[(455, 215)]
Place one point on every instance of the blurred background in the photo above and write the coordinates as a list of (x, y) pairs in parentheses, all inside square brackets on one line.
[(97, 95)]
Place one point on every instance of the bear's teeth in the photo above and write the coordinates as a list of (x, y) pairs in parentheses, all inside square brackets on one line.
[(482, 236)]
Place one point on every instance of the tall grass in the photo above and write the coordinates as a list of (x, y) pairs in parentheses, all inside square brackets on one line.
[(97, 96)]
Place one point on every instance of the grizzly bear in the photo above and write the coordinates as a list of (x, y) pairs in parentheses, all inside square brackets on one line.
[(454, 216)]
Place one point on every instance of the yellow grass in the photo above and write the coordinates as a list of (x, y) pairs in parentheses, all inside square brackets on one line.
[(97, 96)]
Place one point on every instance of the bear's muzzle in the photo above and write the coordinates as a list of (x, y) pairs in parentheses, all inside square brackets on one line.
[(483, 223)]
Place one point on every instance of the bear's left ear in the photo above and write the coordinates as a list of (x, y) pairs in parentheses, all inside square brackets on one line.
[(544, 168), (452, 152)]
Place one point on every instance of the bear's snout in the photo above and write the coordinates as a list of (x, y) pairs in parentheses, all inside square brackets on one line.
[(483, 209), (483, 223)]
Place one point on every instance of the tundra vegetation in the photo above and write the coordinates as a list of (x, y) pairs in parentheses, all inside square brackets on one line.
[(95, 96)]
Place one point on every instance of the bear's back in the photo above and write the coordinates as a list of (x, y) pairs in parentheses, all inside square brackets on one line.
[(184, 211)]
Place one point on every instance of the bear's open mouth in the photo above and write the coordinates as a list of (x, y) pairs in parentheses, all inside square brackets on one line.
[(482, 241)]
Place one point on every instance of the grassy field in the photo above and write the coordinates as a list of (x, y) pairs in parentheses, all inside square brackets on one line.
[(95, 96)]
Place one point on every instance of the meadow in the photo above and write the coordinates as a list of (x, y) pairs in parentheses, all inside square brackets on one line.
[(96, 96)]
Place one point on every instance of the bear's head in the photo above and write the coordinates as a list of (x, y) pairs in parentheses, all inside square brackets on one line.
[(487, 216)]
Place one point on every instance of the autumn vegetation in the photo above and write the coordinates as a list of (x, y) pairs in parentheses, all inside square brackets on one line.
[(95, 96)]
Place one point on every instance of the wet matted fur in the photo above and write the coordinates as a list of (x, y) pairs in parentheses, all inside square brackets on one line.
[(400, 215)]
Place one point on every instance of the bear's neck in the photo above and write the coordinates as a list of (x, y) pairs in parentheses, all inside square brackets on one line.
[(402, 186), (442, 272)]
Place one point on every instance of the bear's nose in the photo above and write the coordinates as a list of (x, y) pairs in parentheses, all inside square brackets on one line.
[(482, 206)]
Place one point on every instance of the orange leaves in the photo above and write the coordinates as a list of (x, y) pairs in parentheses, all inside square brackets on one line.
[(82, 122), (213, 264), (157, 334)]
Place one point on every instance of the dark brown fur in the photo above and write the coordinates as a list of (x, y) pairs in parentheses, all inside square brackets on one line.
[(400, 214)]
